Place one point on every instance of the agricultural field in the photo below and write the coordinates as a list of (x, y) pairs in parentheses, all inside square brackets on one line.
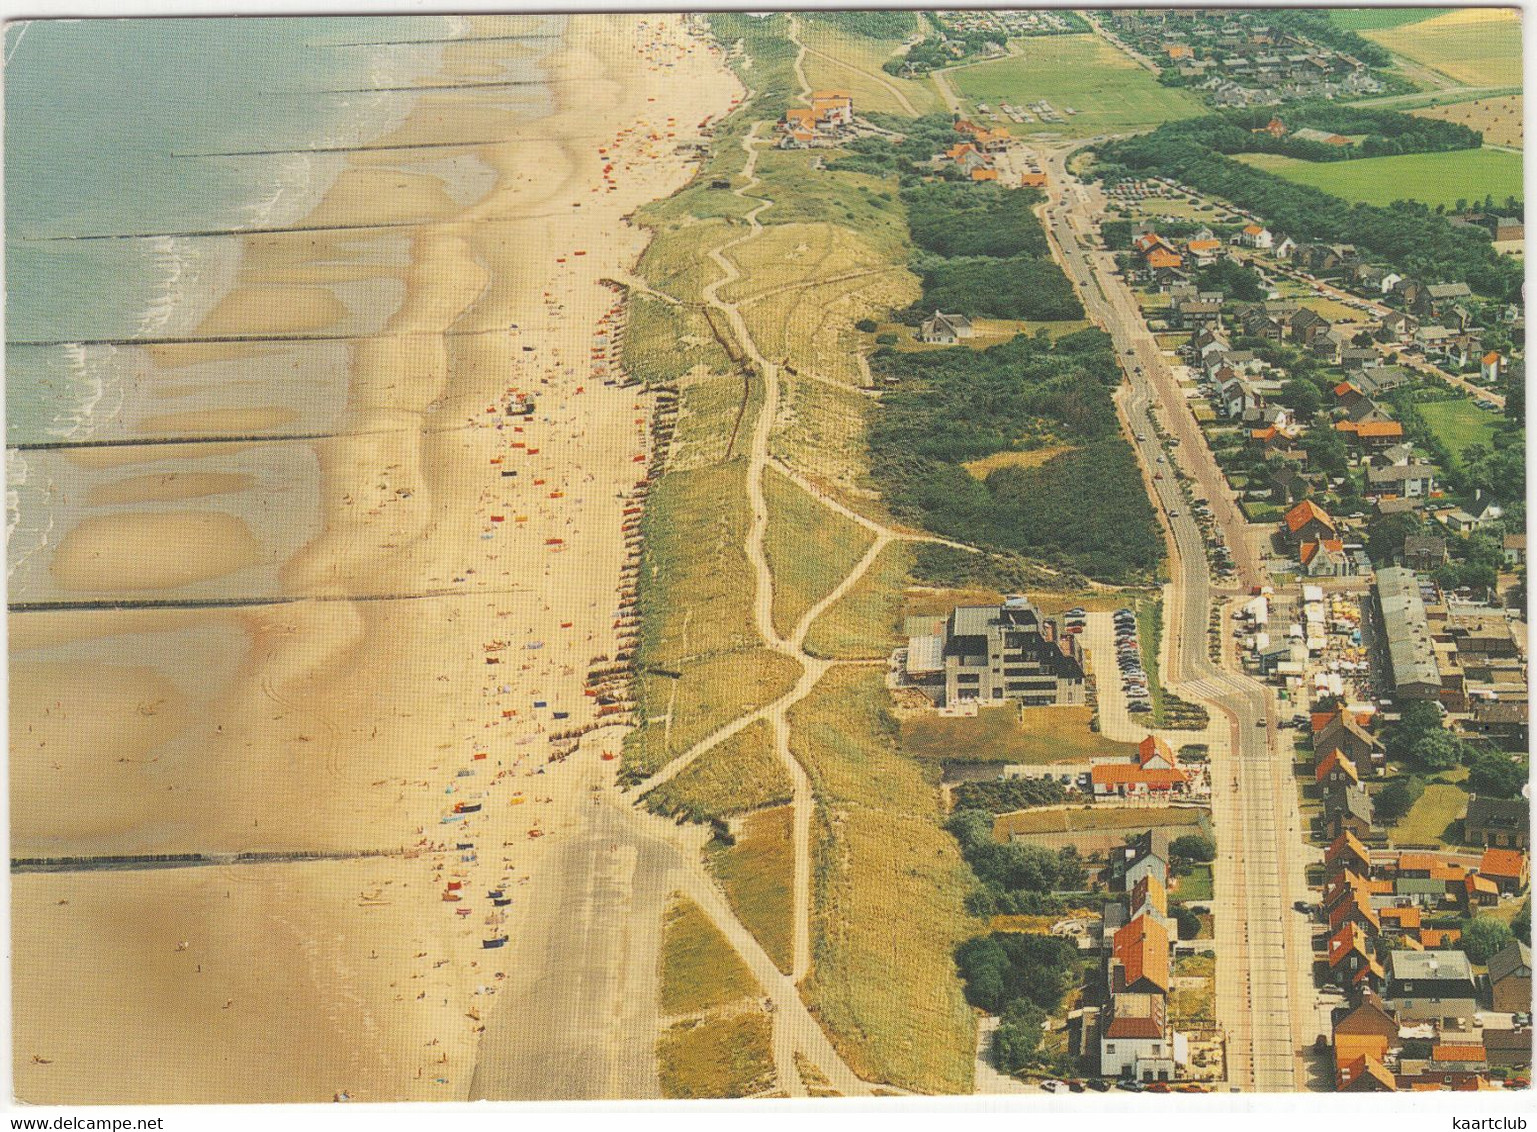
[(810, 549), (1364, 20), (1007, 735), (1434, 178), (1077, 818), (1458, 423), (1499, 119), (1474, 46), (1110, 93)]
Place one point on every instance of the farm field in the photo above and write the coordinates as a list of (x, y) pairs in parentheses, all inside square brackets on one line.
[(1458, 423), (1380, 19), (1110, 92), (1477, 46), (1499, 119), (1434, 178)]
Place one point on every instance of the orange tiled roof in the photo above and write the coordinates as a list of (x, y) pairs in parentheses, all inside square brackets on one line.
[(1253, 230), (1458, 1053), (1346, 840), (1504, 863), (981, 174), (1439, 937), (1298, 516), (1142, 946), (1116, 774), (1379, 429), (1161, 258), (1335, 758), (1153, 747), (1204, 245)]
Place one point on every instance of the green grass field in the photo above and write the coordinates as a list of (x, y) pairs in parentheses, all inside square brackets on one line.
[(1434, 178), (1476, 46), (1458, 423), (1433, 819), (1082, 72), (1374, 19), (853, 63), (867, 620), (1046, 735)]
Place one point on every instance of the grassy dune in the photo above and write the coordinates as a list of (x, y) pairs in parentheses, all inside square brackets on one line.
[(758, 875), (810, 548)]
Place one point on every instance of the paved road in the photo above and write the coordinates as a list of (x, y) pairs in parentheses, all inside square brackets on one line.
[(1263, 990)]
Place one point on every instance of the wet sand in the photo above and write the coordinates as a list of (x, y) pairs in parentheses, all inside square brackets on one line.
[(336, 724)]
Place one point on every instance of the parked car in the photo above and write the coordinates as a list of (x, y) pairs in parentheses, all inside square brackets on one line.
[(1099, 1084), (1131, 1086), (1053, 1086)]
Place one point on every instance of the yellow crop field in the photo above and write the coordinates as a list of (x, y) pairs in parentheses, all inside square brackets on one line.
[(1476, 46)]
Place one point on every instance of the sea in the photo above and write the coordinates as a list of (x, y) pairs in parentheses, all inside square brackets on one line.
[(126, 137)]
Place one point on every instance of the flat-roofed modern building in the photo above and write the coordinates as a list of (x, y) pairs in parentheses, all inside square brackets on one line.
[(995, 654), (1410, 650)]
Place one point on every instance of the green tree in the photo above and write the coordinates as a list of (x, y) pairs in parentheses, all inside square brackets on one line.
[(1397, 798), (1521, 926), (1017, 1039), (1193, 847), (1302, 397), (1496, 775), (1437, 750), (1482, 936), (1419, 718), (1187, 922)]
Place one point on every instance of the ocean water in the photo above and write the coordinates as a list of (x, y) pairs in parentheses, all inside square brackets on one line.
[(126, 127)]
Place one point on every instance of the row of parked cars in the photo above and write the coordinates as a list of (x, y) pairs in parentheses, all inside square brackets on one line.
[(1101, 1085), (1128, 657)]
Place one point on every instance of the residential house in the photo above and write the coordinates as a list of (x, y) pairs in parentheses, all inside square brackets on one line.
[(1373, 436), (1326, 558), (947, 329), (1342, 731), (1397, 326), (1334, 769), (1510, 978), (1139, 958), (1307, 325), (1430, 985), (1196, 315), (1510, 1049), (1138, 857), (1351, 963), (1498, 822), (1507, 869), (1476, 892), (1136, 1041), (1505, 722), (833, 107), (1308, 522), (1514, 549), (1404, 480), (1148, 897), (1348, 808), (1363, 1036), (1346, 853), (1354, 358), (1425, 553), (1374, 381), (1254, 236)]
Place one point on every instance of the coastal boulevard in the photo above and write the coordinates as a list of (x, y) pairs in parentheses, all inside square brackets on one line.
[(1264, 950)]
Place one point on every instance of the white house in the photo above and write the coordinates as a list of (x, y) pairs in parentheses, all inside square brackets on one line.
[(1489, 366), (1254, 236), (945, 328), (1135, 1040)]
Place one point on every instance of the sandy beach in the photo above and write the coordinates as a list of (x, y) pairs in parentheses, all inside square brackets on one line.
[(417, 590)]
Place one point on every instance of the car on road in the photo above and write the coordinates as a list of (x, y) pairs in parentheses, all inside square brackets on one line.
[(1303, 906), (1259, 723), (1174, 513)]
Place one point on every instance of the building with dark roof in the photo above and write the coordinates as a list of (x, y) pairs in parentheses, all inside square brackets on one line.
[(995, 654)]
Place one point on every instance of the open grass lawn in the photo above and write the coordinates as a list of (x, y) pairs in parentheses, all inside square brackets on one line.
[(1087, 817), (1498, 119), (1194, 885), (700, 971), (725, 1055), (1476, 46), (1006, 735), (1458, 423), (866, 622), (888, 895), (810, 549), (1083, 72), (758, 875), (854, 67), (1434, 178), (1433, 820), (733, 777)]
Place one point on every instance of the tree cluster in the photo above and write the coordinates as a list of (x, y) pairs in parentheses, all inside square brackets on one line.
[(1004, 795)]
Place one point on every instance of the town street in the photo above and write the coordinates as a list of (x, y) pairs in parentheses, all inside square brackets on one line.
[(1264, 991)]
